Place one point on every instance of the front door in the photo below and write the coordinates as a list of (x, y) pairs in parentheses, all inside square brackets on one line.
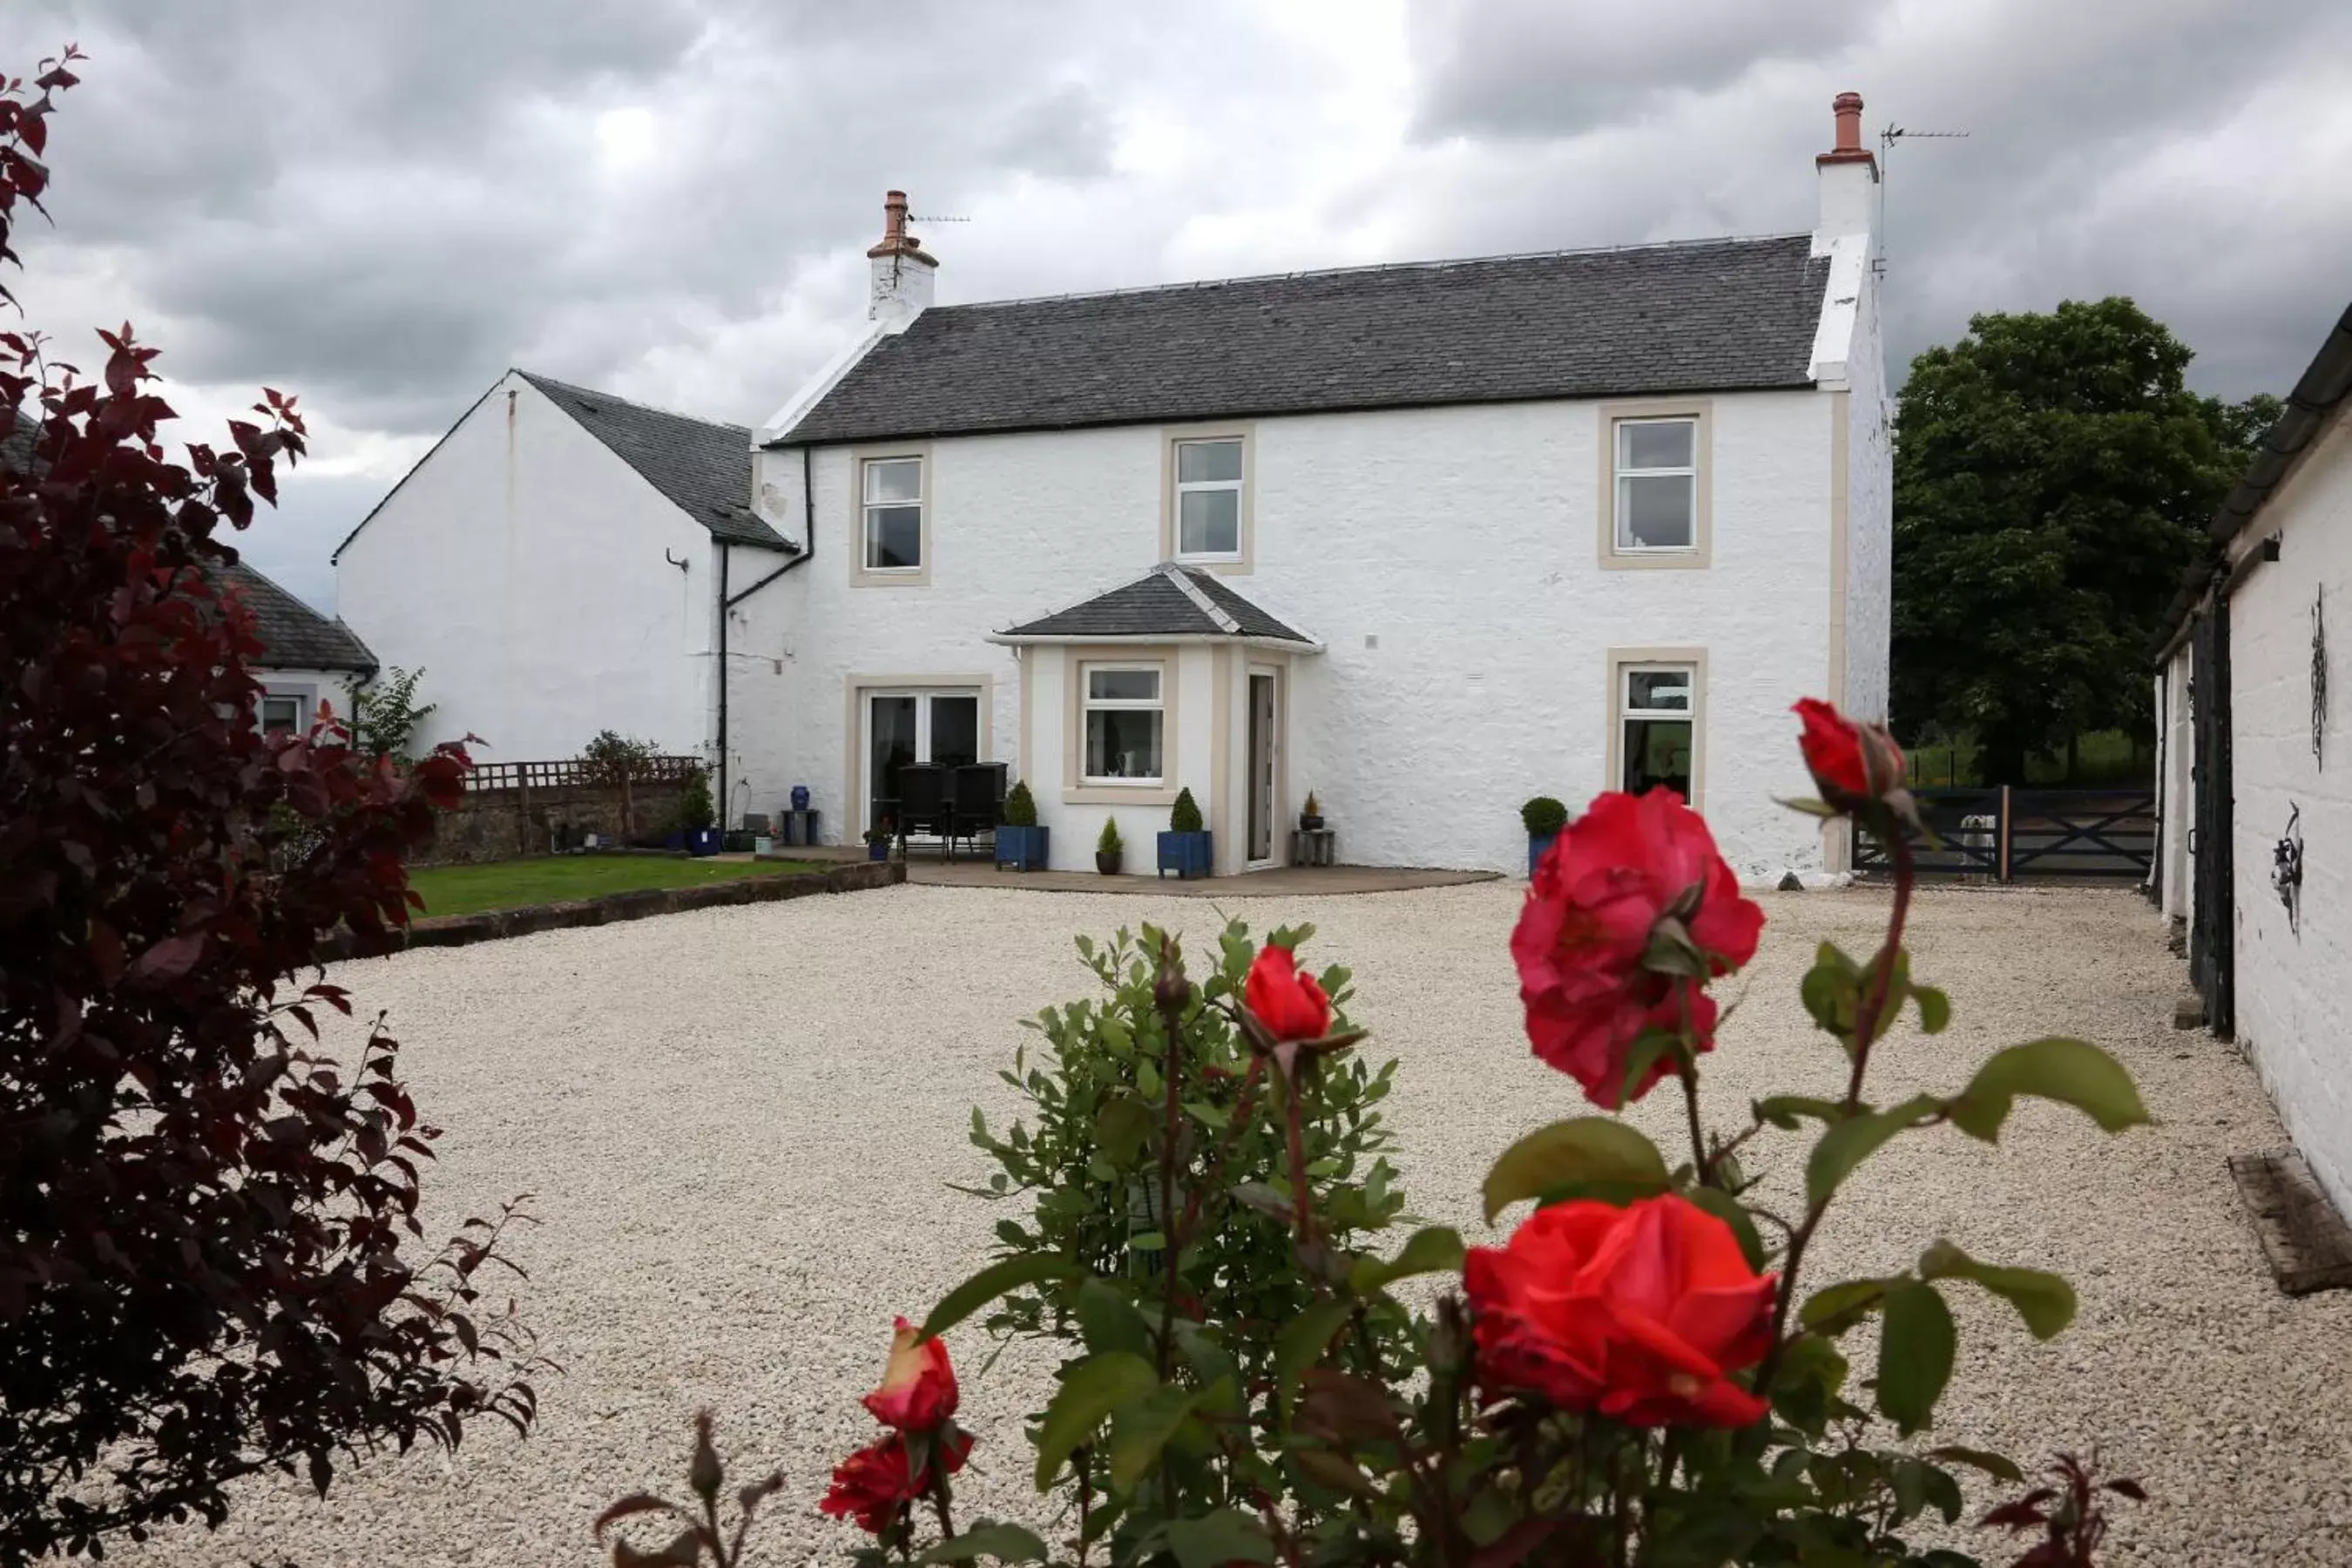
[(905, 727), (1262, 764)]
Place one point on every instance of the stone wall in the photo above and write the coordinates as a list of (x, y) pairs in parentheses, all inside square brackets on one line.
[(501, 824)]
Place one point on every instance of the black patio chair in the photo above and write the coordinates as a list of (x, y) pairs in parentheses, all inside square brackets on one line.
[(923, 803), (978, 803)]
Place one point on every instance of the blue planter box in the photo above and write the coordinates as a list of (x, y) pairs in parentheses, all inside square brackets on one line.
[(1186, 854), (1536, 848), (1022, 849), (703, 840), (880, 851)]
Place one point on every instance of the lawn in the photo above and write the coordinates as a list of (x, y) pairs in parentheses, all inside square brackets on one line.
[(549, 878)]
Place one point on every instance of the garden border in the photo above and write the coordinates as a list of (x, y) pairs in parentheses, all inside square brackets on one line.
[(635, 904)]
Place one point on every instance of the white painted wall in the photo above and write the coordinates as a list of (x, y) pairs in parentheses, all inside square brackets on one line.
[(2176, 756), (521, 566), (1870, 516), (1448, 558), (2290, 985)]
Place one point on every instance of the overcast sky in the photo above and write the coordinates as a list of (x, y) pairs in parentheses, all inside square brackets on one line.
[(378, 207)]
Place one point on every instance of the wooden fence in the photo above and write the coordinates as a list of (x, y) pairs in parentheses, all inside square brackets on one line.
[(2007, 834), (572, 773)]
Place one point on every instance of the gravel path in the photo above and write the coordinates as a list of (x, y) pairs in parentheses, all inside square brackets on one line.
[(737, 1125)]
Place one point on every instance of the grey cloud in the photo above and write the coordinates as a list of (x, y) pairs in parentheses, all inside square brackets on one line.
[(1550, 68), (1065, 134)]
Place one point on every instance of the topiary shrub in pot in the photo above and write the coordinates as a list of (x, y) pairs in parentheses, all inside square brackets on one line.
[(698, 817), (1310, 815), (1185, 847), (1020, 843), (1543, 818), (1110, 849)]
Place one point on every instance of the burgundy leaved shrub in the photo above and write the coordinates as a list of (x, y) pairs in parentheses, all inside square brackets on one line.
[(205, 1224)]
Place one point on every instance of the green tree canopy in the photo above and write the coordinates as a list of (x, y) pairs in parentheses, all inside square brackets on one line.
[(2053, 478)]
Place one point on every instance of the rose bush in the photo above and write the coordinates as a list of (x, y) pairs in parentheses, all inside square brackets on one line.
[(1638, 1373)]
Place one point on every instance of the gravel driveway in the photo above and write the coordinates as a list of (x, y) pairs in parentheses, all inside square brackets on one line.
[(739, 1124)]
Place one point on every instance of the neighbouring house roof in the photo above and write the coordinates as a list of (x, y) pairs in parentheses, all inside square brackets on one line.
[(702, 466), (1170, 601), (1699, 316), (17, 447), (297, 637), (2325, 387)]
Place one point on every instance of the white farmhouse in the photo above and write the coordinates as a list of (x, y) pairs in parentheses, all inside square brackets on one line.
[(558, 564), (1423, 539), (2254, 768)]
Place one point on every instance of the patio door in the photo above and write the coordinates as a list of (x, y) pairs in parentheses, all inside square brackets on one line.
[(1263, 766), (913, 727)]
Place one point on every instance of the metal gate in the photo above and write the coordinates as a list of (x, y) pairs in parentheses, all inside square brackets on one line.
[(2211, 919), (2009, 834)]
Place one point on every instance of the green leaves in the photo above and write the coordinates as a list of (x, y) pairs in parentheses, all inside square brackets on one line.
[(1142, 1427), (2072, 1072), (1090, 1390), (1435, 1250), (1915, 1347), (992, 1282), (1586, 1150), (1834, 989), (1302, 1342), (1837, 1308), (1849, 1143), (1228, 1535), (2045, 1301), (1121, 1126), (1005, 1543)]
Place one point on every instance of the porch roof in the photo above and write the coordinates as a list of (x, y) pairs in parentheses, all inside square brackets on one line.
[(1167, 602)]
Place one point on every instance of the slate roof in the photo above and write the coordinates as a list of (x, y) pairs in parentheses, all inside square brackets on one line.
[(704, 467), (17, 447), (298, 637), (1158, 606), (1703, 316)]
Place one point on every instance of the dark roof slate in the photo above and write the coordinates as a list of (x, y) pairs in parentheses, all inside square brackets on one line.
[(1712, 315), (703, 467), (297, 637), (1156, 605), (17, 447)]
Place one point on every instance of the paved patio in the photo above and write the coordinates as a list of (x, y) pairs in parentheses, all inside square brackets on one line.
[(928, 869), (742, 1124)]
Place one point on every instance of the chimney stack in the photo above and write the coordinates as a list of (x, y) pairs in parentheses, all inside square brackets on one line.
[(903, 273), (1847, 173)]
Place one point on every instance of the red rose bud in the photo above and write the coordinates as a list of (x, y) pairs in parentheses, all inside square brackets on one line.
[(1629, 916), (1284, 997), (1852, 763), (1640, 1313), (918, 1387)]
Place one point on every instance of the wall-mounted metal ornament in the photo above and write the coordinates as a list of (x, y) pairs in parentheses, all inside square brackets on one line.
[(2318, 678), (2286, 869)]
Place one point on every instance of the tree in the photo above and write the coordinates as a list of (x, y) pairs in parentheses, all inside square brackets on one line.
[(205, 1221), (2054, 476), (386, 714)]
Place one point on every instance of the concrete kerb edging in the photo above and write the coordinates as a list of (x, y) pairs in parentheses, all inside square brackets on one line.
[(464, 930)]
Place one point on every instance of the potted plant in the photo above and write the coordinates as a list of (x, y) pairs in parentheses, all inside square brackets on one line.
[(1543, 818), (697, 816), (1019, 842), (1310, 815), (1184, 848), (877, 840), (1109, 849)]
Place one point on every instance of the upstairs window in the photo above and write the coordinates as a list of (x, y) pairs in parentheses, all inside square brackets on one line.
[(1656, 485), (280, 715), (1209, 500), (893, 491), (1125, 723)]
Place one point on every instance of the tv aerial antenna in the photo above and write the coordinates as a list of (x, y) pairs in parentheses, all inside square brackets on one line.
[(1887, 140)]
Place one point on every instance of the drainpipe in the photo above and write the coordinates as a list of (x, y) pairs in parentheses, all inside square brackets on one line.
[(725, 603)]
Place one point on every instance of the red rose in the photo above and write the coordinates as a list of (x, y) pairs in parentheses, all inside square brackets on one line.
[(871, 1485), (1639, 1314), (1851, 763), (918, 1387), (1628, 916), (1284, 997)]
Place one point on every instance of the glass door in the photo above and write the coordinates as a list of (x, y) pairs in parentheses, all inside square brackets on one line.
[(1262, 720), (904, 728)]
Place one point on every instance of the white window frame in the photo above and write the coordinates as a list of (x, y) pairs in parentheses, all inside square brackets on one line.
[(1180, 488), (1624, 542), (261, 711), (868, 506), (1088, 704), (1623, 669)]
